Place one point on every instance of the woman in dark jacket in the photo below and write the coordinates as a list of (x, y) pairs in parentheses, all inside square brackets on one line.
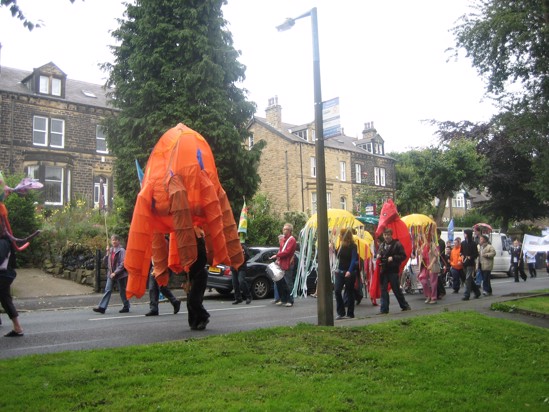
[(347, 255), (469, 255), (114, 258), (7, 276)]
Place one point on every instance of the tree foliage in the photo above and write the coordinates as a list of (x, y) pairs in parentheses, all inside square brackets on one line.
[(508, 43), (436, 172), (16, 12), (508, 177), (175, 62)]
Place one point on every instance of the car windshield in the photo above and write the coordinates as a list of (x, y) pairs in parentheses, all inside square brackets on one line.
[(262, 255)]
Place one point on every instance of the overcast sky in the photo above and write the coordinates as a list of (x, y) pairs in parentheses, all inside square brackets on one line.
[(385, 60)]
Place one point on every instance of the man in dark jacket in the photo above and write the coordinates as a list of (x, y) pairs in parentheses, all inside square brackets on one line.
[(240, 284), (7, 276), (469, 255), (390, 255)]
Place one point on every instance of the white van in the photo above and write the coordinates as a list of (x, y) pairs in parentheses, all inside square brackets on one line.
[(500, 242)]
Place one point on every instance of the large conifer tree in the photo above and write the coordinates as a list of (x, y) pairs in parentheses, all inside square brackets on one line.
[(175, 62)]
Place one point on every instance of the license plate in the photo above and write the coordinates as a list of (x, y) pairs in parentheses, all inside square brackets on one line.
[(214, 269)]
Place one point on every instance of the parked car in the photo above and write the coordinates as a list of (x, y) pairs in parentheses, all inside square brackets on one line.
[(261, 285)]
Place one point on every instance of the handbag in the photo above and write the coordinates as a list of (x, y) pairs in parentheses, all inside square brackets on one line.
[(275, 272)]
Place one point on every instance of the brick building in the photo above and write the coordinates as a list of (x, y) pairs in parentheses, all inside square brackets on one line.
[(288, 164), (50, 129)]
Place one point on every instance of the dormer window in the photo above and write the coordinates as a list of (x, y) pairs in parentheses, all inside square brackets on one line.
[(50, 85)]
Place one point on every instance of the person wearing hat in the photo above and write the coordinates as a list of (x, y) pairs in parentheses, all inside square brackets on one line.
[(486, 263)]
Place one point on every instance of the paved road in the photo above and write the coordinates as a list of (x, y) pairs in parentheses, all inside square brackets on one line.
[(68, 323)]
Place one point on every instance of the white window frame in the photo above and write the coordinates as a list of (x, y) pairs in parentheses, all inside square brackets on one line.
[(50, 181), (250, 141), (376, 176), (343, 171), (56, 85), (44, 85), (33, 172), (47, 133), (382, 176), (358, 173), (328, 200), (313, 166), (100, 135), (96, 194), (343, 202), (313, 202), (459, 201)]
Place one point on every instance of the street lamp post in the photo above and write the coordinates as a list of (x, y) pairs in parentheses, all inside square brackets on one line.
[(325, 306)]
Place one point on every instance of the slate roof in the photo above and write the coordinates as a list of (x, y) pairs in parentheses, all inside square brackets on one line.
[(11, 81)]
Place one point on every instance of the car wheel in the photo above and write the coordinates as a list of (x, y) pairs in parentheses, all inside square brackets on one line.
[(223, 291), (261, 287)]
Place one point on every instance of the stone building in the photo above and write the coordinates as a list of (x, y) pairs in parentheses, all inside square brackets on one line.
[(50, 129), (288, 164)]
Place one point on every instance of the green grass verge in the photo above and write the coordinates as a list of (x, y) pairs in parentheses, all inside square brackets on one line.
[(453, 361), (536, 304)]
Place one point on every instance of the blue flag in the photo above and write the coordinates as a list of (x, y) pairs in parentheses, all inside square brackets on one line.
[(140, 173), (451, 230)]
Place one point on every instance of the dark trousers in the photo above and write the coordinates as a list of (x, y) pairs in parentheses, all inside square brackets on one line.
[(349, 284), (486, 282), (456, 278), (5, 297), (240, 284), (387, 279), (154, 293), (470, 285), (285, 286), (519, 269), (199, 279)]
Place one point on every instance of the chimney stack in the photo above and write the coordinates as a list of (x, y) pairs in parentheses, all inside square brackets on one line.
[(274, 113)]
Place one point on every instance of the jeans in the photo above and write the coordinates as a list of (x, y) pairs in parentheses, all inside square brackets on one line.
[(456, 278), (285, 287), (479, 277), (154, 294), (486, 285), (349, 284), (470, 285), (240, 284), (392, 279), (108, 291)]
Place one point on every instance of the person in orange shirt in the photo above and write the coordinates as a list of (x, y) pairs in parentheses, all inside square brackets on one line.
[(456, 265)]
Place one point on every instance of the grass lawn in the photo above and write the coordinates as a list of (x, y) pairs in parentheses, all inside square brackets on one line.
[(537, 304), (454, 361)]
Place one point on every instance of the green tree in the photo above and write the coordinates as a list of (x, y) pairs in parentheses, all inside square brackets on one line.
[(437, 172), (368, 195), (16, 12), (175, 63), (508, 177), (508, 43), (264, 225)]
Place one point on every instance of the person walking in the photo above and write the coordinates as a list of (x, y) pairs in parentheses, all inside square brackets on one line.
[(469, 255), (7, 276), (154, 296), (285, 258), (531, 262), (345, 276), (240, 284), (429, 272), (517, 261), (456, 265), (198, 316), (390, 255), (487, 253), (114, 260)]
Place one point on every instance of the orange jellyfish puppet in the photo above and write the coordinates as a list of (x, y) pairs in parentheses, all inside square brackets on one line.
[(181, 196)]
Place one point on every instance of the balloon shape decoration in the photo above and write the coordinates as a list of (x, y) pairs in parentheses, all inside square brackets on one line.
[(21, 189), (180, 196)]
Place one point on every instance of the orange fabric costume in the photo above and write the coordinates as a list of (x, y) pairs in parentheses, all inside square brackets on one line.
[(180, 195)]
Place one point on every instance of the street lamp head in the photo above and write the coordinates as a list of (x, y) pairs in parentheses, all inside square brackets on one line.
[(287, 25)]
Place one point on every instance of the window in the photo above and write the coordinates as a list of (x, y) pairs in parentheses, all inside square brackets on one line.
[(100, 140), (342, 171), (33, 172), (458, 201), (313, 167), (53, 185), (379, 176), (328, 200), (100, 194), (343, 203), (48, 132), (50, 85), (369, 147), (358, 173), (250, 141), (313, 202)]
